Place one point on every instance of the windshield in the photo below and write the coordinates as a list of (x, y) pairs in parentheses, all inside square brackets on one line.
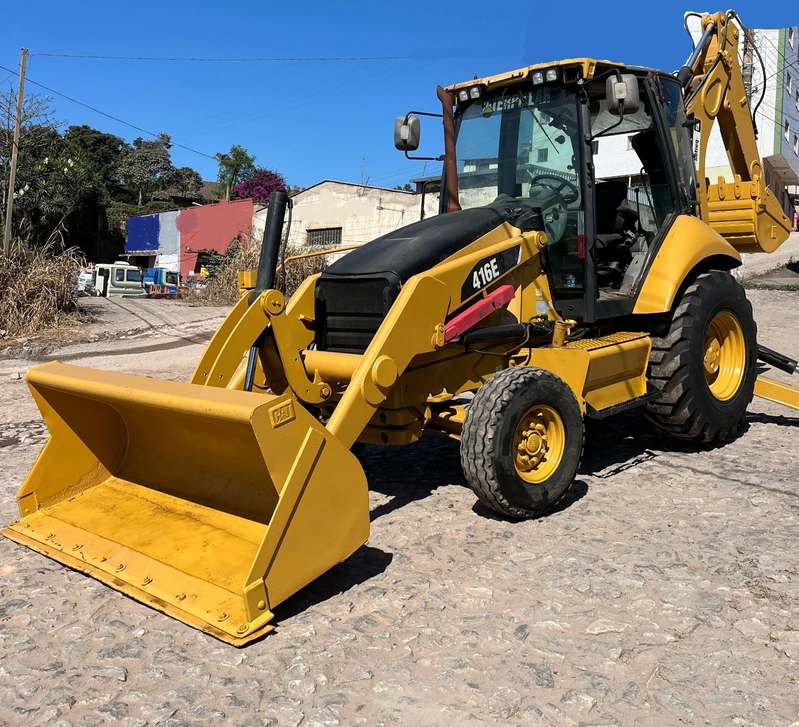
[(523, 145), (507, 140)]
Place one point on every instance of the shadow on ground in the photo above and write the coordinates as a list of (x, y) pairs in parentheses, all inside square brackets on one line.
[(410, 473), (364, 564), (614, 445)]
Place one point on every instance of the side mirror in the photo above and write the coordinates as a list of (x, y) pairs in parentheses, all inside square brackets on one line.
[(407, 132), (622, 94)]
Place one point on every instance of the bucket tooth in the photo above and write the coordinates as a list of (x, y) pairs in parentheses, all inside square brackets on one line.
[(208, 504)]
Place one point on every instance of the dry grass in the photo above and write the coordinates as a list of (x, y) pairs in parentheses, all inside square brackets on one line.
[(37, 289), (222, 288)]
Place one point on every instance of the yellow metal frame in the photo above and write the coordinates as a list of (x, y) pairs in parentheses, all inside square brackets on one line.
[(688, 244), (214, 504), (777, 392)]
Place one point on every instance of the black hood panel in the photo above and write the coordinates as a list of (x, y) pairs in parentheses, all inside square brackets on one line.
[(422, 245)]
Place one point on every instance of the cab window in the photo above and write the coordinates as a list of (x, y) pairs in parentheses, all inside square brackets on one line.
[(674, 109), (634, 196)]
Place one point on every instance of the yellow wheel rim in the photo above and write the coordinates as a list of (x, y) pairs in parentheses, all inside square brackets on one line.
[(538, 444), (724, 356)]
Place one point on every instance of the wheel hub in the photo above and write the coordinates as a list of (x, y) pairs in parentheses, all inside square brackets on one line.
[(538, 444), (712, 351), (533, 447), (724, 355)]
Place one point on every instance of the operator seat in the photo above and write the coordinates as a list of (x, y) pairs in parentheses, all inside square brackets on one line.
[(615, 219), (609, 196)]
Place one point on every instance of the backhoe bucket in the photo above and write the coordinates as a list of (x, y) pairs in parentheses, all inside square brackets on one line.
[(208, 504)]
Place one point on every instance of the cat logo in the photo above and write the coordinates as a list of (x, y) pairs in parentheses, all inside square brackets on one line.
[(281, 414)]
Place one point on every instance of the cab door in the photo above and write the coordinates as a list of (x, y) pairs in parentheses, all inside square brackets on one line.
[(635, 198)]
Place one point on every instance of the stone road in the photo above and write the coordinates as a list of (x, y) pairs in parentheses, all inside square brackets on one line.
[(664, 590)]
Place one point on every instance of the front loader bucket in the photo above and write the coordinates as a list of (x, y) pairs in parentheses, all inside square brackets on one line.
[(208, 504)]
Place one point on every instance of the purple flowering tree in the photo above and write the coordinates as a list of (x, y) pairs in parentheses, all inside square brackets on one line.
[(260, 185)]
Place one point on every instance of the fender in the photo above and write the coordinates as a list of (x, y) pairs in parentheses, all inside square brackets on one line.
[(688, 244)]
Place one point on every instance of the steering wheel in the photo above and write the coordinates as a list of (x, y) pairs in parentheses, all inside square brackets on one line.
[(568, 192)]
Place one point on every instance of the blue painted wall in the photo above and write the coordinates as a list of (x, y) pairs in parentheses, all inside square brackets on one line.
[(789, 65), (142, 234)]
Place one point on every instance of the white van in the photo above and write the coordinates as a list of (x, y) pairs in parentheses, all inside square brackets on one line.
[(119, 278)]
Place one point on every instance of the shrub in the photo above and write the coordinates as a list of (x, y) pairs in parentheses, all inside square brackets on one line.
[(260, 185), (222, 287), (37, 289)]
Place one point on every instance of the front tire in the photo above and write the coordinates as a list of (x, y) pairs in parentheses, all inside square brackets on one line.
[(703, 361), (522, 441)]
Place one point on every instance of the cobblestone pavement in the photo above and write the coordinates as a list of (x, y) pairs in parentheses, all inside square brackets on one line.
[(662, 591)]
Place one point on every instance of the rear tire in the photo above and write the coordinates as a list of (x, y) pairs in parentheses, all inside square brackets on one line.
[(703, 361), (522, 441)]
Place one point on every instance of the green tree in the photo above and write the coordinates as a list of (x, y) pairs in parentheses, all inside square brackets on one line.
[(235, 166), (186, 181), (101, 151), (51, 180), (147, 166), (406, 188)]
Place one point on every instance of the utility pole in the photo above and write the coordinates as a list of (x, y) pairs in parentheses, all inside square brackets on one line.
[(748, 63), (12, 176)]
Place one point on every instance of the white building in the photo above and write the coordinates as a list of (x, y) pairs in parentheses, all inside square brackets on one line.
[(336, 214)]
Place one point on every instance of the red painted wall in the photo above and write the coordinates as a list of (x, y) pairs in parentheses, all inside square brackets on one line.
[(211, 227)]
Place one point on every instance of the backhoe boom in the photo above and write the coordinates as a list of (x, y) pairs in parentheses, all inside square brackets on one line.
[(744, 211)]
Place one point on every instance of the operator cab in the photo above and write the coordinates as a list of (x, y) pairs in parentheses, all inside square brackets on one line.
[(608, 178)]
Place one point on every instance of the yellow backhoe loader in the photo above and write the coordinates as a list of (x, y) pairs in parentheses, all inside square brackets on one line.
[(548, 290)]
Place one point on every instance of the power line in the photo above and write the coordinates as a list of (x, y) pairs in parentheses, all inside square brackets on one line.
[(314, 59), (108, 116), (253, 116), (381, 77)]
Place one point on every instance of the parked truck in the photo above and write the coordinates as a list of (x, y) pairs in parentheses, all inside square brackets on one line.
[(119, 278), (161, 282)]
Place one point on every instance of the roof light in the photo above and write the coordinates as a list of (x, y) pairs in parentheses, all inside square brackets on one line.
[(552, 74), (538, 78), (475, 92), (463, 94)]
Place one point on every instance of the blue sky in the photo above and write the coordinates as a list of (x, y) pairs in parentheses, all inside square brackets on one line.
[(318, 120)]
